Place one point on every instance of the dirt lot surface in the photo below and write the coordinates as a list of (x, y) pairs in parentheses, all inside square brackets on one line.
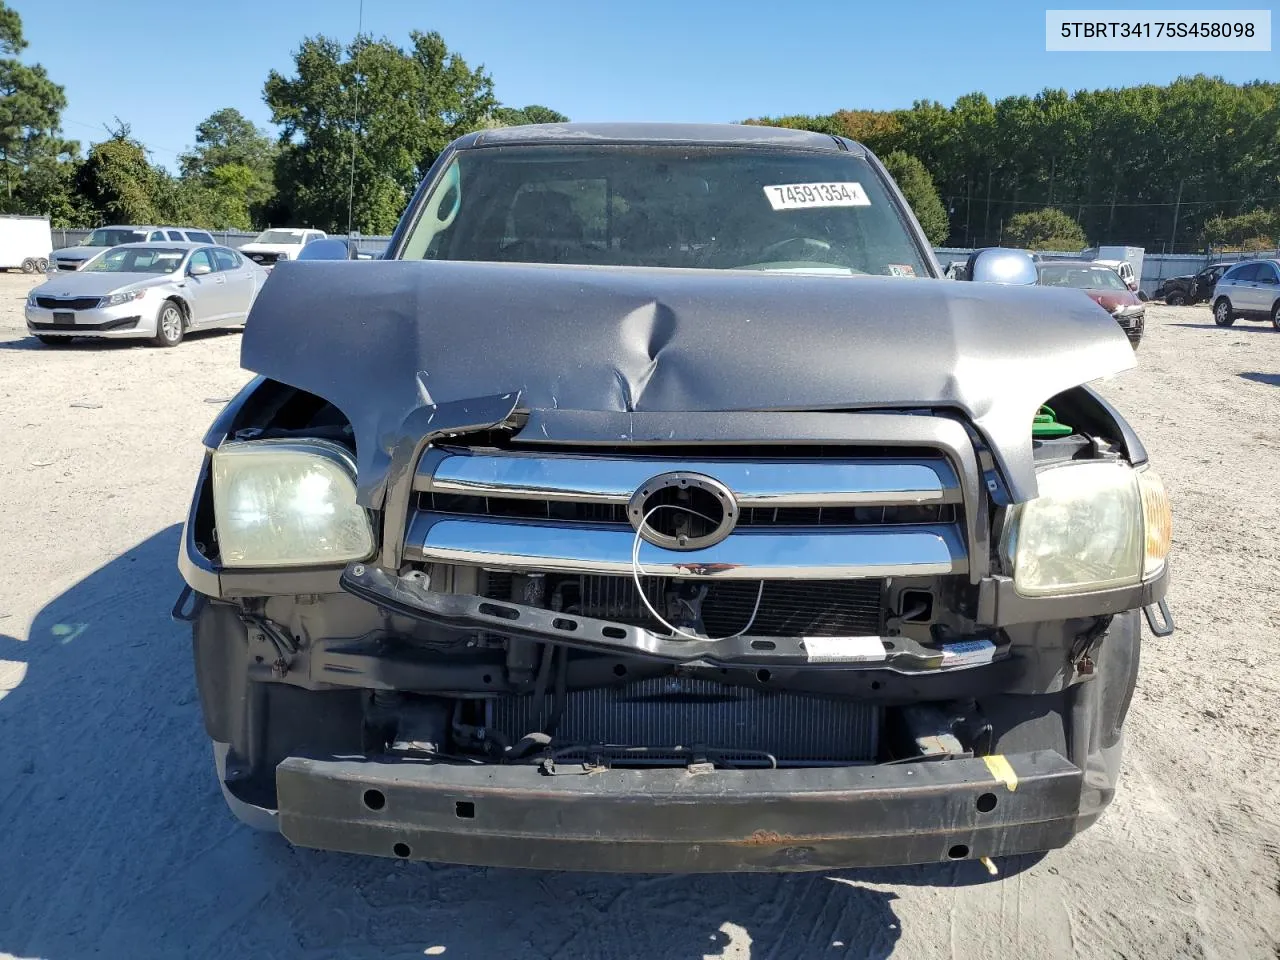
[(114, 840)]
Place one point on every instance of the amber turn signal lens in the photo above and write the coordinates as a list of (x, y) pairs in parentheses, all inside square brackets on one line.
[(1158, 520)]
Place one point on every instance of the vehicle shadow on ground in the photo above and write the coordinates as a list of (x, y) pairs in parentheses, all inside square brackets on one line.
[(115, 841), (1273, 379), (94, 344), (1237, 327)]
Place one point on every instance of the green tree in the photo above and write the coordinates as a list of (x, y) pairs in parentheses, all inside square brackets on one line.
[(31, 108), (1256, 230), (119, 185), (917, 186), (230, 173), (1046, 229), (513, 117), (362, 124)]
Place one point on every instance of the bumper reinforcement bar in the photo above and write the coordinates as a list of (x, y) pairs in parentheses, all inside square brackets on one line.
[(679, 821)]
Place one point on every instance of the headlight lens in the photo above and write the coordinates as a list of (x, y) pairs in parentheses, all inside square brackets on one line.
[(1083, 533), (116, 299), (284, 503), (31, 299)]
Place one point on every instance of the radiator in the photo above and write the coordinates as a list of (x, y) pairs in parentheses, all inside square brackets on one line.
[(679, 711)]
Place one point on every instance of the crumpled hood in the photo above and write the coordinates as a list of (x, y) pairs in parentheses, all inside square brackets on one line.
[(381, 339)]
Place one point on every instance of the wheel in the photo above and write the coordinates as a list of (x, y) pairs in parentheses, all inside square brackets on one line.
[(168, 326), (1222, 314), (1143, 296), (53, 341), (1176, 299), (30, 265), (1275, 315), (43, 264)]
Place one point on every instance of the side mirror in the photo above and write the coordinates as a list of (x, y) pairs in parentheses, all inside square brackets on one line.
[(199, 269), (329, 248), (1000, 265)]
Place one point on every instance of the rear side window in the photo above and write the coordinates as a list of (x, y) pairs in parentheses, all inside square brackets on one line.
[(199, 236), (1244, 272), (176, 235), (226, 259)]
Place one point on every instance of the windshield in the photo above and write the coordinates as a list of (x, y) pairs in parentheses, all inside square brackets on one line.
[(279, 236), (113, 237), (702, 207), (137, 260), (1082, 277)]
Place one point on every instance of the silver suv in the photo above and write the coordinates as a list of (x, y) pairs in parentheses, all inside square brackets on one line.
[(104, 238), (1250, 290)]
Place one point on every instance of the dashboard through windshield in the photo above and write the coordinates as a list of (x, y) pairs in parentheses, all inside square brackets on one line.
[(693, 207)]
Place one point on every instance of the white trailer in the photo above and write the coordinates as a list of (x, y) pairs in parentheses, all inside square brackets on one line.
[(25, 243)]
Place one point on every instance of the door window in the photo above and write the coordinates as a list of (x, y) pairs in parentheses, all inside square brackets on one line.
[(157, 236), (226, 259), (202, 257), (1267, 274), (176, 235), (1242, 274)]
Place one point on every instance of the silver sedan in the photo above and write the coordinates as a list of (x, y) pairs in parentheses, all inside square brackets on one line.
[(157, 291)]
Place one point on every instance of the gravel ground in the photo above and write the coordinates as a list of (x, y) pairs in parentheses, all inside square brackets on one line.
[(114, 840)]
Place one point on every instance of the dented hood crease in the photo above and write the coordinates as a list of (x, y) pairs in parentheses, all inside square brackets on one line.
[(382, 339)]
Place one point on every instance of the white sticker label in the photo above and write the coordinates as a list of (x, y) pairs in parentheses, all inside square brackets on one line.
[(843, 649), (797, 196), (967, 653)]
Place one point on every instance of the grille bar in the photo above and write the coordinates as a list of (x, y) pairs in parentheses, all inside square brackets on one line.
[(763, 483), (801, 553)]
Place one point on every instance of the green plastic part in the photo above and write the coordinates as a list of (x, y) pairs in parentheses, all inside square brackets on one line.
[(1046, 424)]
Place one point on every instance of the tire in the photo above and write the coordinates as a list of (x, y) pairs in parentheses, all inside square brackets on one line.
[(43, 265), (1275, 314), (170, 325), (53, 341), (1222, 314), (30, 265), (1176, 299), (1142, 296)]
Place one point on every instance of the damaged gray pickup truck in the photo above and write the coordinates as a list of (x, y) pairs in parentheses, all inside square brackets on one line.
[(655, 505)]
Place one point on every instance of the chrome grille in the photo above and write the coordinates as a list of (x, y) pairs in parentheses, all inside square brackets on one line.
[(685, 712), (851, 515)]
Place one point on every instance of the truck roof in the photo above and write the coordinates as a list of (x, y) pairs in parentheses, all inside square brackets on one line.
[(720, 134)]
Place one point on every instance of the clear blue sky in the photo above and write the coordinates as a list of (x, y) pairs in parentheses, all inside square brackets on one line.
[(163, 66)]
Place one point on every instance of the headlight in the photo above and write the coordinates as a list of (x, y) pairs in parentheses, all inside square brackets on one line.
[(116, 299), (282, 255), (1088, 530), (284, 503), (31, 299)]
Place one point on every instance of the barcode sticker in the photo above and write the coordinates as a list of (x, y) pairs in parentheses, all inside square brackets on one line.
[(843, 649)]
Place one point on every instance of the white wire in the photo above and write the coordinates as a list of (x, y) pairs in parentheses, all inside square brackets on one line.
[(637, 570)]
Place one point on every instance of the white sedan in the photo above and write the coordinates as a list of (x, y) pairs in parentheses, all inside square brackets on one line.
[(156, 291)]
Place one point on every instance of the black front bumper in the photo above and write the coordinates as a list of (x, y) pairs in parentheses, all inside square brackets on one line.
[(675, 821)]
